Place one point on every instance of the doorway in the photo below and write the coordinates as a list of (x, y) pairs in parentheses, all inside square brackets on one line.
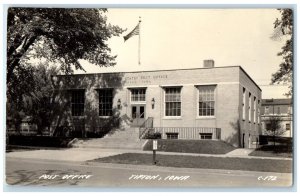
[(138, 115)]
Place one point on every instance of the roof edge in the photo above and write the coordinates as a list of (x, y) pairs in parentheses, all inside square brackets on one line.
[(152, 70), (233, 66), (250, 77)]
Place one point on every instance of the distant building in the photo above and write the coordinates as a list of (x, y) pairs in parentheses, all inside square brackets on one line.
[(219, 103), (28, 127), (279, 108)]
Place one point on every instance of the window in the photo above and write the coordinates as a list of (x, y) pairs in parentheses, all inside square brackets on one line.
[(105, 102), (138, 94), (206, 136), (278, 110), (243, 103), (77, 102), (173, 102), (288, 126), (172, 135), (258, 111), (206, 100), (254, 109), (250, 107), (267, 110), (268, 126)]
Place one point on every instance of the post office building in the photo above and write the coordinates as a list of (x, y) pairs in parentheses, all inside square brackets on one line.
[(218, 103)]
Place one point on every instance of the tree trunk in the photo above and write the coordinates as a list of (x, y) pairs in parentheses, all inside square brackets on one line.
[(14, 61), (16, 43)]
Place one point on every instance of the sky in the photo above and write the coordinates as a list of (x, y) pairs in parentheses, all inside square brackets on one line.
[(183, 38)]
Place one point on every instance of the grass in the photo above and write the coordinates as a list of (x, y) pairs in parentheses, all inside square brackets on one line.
[(271, 151), (263, 165), (191, 146)]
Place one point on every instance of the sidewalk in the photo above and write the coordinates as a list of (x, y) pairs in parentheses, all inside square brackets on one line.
[(86, 154)]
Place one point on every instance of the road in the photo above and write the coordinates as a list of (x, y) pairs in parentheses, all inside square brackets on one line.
[(36, 172)]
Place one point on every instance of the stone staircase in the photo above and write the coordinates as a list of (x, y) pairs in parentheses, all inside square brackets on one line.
[(119, 139)]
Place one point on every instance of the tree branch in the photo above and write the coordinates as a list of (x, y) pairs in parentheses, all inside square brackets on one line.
[(15, 59)]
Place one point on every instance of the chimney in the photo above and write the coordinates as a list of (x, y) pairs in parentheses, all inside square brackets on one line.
[(208, 63)]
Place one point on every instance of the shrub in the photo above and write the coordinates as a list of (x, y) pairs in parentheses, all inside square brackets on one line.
[(152, 135)]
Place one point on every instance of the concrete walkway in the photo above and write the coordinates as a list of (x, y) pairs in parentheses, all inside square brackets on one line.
[(240, 152), (85, 154)]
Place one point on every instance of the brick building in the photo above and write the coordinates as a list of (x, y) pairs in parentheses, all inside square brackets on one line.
[(281, 108), (203, 103)]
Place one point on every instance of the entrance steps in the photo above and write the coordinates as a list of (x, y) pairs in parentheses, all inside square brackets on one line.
[(118, 139)]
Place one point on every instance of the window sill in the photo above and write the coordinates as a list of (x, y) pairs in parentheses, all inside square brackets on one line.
[(105, 116), (137, 102), (79, 117), (172, 118), (205, 117)]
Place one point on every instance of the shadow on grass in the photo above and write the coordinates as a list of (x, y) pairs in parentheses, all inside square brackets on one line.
[(274, 151)]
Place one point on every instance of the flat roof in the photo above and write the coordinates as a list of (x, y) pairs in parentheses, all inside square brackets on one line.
[(287, 101), (234, 66)]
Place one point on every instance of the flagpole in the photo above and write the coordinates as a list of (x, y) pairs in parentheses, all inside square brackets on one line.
[(139, 49)]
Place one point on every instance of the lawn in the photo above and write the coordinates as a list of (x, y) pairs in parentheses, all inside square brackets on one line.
[(264, 165), (271, 151), (191, 146)]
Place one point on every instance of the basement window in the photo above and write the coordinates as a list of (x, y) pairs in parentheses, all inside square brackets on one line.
[(288, 126), (172, 135), (206, 136)]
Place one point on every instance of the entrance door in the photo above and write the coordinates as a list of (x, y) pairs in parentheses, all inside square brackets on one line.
[(138, 115)]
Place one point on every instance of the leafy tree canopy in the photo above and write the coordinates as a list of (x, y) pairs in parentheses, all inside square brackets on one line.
[(59, 35), (284, 27)]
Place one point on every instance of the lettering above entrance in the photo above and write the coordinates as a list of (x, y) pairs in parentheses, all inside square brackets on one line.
[(144, 79)]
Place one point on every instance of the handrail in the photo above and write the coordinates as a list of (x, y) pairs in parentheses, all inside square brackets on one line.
[(145, 126), (148, 123), (141, 114)]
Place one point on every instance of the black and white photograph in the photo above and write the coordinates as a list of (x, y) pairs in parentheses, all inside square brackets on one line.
[(149, 98)]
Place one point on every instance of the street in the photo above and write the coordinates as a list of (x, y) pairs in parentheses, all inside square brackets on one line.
[(36, 172)]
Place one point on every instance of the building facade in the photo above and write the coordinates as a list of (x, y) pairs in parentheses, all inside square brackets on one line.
[(203, 103), (281, 109)]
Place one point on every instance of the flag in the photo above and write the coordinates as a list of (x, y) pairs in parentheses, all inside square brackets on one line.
[(135, 31)]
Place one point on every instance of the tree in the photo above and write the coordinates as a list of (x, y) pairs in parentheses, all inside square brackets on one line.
[(41, 103), (35, 97), (21, 84), (273, 126), (284, 27), (58, 36), (64, 35)]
